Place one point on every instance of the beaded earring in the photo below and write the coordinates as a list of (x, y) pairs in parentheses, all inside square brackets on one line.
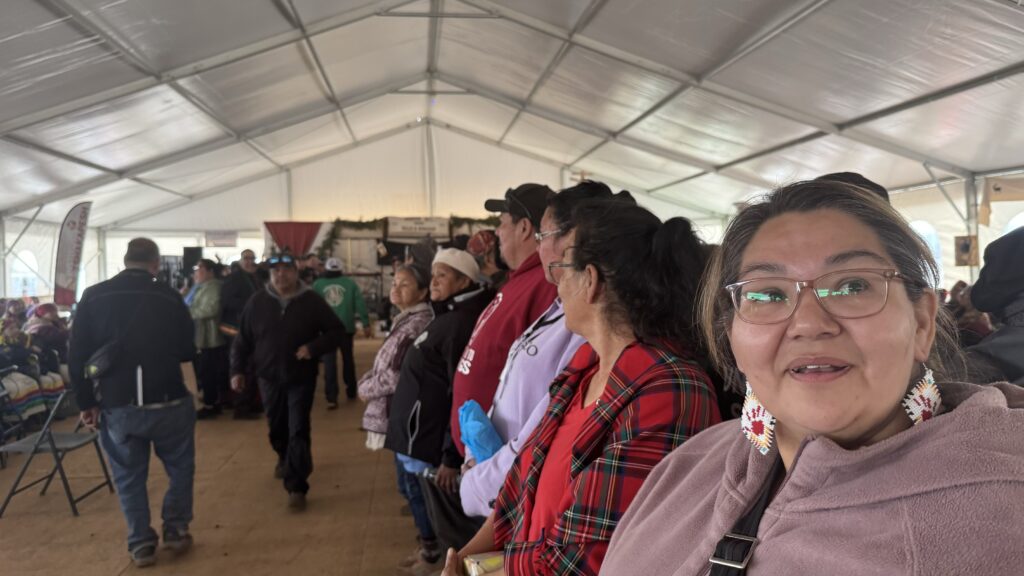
[(922, 402), (757, 423)]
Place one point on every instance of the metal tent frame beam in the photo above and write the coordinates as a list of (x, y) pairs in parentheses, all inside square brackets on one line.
[(229, 186), (156, 211), (585, 18), (382, 7), (288, 8), (209, 147), (527, 154), (590, 129), (823, 126), (134, 57), (760, 38), (203, 65)]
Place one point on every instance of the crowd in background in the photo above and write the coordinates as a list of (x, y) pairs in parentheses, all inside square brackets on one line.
[(33, 359), (552, 390)]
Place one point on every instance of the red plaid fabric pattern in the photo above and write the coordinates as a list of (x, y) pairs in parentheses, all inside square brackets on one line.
[(653, 402)]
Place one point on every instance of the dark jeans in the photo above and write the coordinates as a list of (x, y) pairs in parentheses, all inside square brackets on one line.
[(127, 433), (451, 524), (287, 406), (409, 486), (212, 371), (348, 369)]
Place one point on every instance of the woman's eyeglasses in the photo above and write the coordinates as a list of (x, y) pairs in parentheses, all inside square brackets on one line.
[(538, 236), (848, 294), (559, 265)]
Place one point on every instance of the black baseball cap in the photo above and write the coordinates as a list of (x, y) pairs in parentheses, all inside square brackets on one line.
[(525, 201)]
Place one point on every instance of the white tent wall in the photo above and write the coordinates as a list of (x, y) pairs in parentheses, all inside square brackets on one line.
[(469, 172), (928, 209), (242, 208), (29, 267), (385, 178)]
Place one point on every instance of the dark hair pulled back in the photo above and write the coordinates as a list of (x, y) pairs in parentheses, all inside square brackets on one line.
[(652, 269), (563, 203)]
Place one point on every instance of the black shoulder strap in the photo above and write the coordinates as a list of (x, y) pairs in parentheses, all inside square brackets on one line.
[(734, 551)]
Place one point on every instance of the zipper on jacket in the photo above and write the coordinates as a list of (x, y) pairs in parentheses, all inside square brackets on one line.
[(414, 415)]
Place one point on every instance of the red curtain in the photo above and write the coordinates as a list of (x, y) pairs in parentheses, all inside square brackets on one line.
[(294, 237)]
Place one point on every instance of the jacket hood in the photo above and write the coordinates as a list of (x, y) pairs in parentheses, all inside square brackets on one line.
[(976, 441), (456, 300)]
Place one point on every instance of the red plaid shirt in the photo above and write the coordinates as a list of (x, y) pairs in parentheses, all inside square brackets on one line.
[(653, 401)]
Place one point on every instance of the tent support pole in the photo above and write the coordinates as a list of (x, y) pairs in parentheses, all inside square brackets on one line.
[(971, 196), (948, 197), (101, 242), (431, 172), (3, 257), (288, 192)]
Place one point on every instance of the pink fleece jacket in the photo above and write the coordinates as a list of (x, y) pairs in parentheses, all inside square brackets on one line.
[(943, 497)]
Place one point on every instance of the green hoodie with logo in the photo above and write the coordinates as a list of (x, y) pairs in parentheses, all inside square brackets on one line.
[(344, 297)]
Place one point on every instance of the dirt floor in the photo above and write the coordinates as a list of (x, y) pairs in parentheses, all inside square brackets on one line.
[(242, 525)]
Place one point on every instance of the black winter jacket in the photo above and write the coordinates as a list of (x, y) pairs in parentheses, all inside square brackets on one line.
[(421, 407), (1000, 356), (238, 287), (156, 333), (271, 331)]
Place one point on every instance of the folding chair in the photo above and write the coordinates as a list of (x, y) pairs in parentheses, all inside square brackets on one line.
[(12, 425), (58, 444)]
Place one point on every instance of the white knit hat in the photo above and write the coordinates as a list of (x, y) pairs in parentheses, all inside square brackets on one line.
[(459, 260)]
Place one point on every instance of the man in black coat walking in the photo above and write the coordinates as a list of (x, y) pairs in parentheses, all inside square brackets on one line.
[(284, 330), (140, 403)]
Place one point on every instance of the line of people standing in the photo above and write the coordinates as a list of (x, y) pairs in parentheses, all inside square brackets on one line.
[(611, 471)]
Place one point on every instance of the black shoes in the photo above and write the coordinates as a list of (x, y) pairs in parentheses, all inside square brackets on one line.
[(297, 501), (144, 555), (177, 542)]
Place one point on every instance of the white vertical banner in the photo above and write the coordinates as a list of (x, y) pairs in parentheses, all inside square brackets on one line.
[(69, 254)]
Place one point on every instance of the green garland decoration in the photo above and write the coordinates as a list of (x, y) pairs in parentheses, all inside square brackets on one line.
[(327, 246)]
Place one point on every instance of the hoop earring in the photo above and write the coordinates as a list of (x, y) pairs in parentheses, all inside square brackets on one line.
[(757, 423), (923, 400)]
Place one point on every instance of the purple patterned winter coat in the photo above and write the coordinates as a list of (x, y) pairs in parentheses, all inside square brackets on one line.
[(378, 385)]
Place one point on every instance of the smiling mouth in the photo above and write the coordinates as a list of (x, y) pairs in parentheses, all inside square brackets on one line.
[(818, 369)]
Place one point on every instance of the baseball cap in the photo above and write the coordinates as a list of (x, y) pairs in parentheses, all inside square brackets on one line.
[(332, 264), (525, 201)]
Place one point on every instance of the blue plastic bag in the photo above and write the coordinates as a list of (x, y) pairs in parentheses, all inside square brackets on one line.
[(478, 434)]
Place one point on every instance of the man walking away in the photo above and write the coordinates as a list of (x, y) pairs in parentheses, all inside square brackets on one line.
[(212, 358), (142, 327), (238, 287), (343, 295), (284, 329)]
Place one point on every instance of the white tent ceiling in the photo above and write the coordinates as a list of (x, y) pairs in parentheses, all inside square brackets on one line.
[(218, 114)]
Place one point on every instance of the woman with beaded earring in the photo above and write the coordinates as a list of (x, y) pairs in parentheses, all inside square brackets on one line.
[(859, 451)]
